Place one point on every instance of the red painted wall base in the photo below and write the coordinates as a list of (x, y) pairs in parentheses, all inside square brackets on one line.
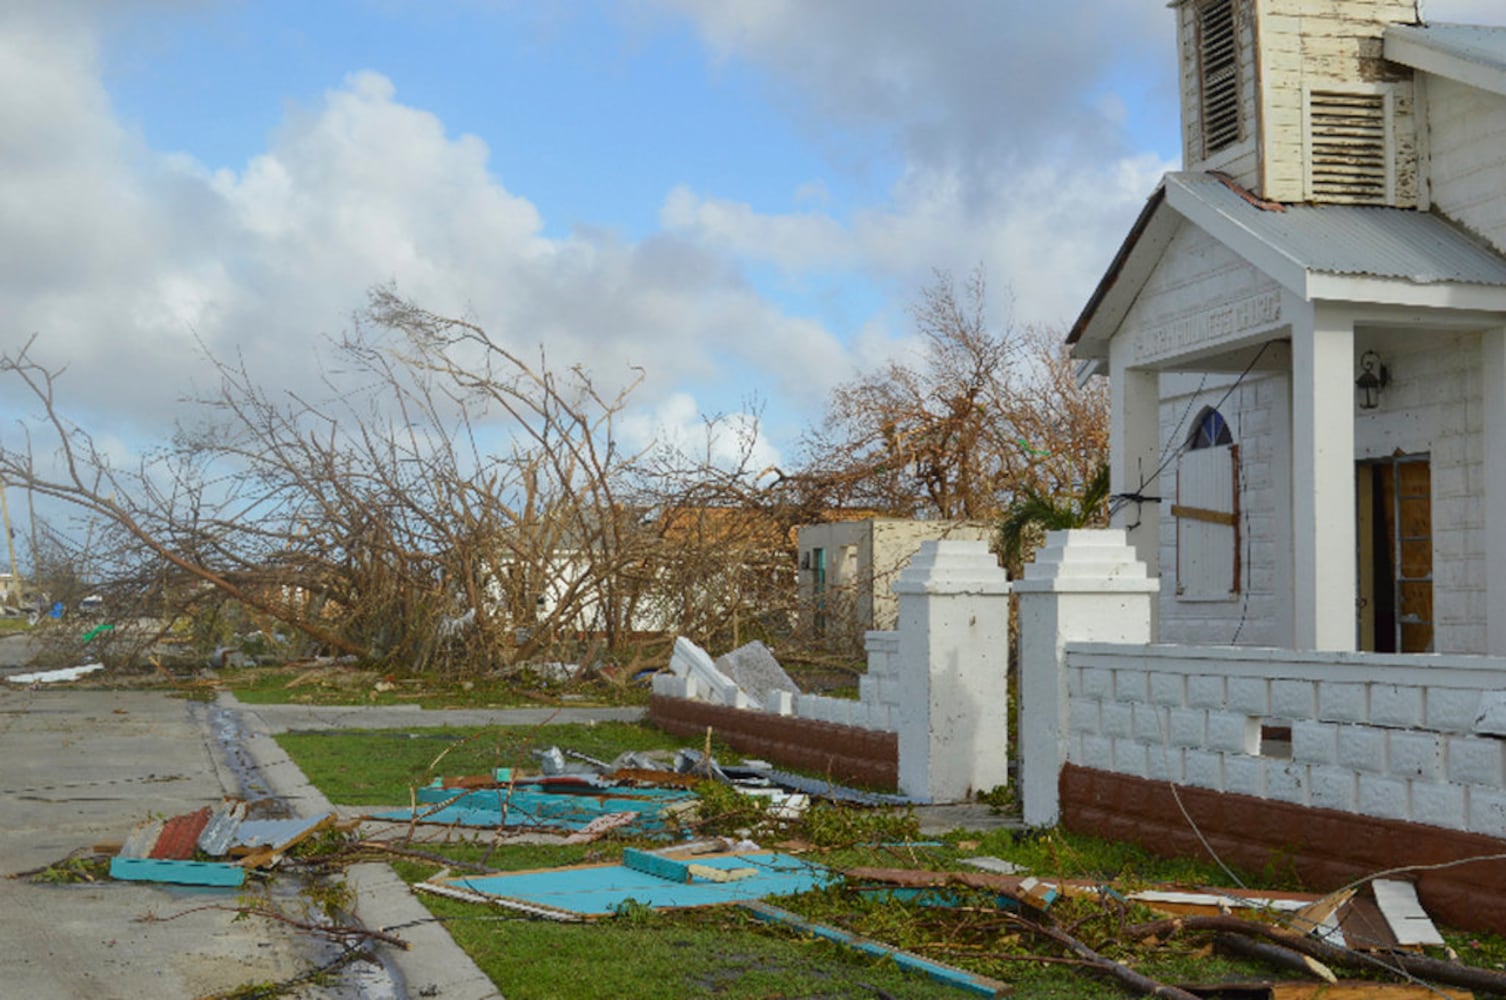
[(1326, 848), (846, 753)]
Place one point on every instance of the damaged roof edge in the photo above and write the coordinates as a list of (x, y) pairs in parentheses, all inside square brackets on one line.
[(1116, 267)]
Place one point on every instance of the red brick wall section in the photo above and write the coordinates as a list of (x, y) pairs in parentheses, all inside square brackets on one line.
[(847, 753), (1326, 848)]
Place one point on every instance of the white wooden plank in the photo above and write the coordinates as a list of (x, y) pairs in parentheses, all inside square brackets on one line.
[(1404, 914)]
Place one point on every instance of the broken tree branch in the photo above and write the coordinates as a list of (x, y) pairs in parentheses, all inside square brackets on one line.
[(1274, 954), (1404, 964), (334, 931), (1123, 973)]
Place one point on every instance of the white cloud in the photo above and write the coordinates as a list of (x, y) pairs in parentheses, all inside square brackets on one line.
[(678, 424), (1007, 121), (127, 262)]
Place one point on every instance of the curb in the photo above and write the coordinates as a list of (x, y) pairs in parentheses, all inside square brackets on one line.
[(434, 965)]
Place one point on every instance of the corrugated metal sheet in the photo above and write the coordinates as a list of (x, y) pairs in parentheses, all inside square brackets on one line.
[(279, 834), (180, 836), (1358, 239), (1471, 42)]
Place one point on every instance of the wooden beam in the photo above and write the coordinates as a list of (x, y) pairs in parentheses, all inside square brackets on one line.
[(1203, 514)]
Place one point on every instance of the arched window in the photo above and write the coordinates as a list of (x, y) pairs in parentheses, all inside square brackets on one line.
[(1210, 431), (1207, 511)]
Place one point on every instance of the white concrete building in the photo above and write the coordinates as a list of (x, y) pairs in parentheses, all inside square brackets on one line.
[(1305, 333)]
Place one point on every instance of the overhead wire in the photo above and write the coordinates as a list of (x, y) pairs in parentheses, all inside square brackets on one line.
[(1169, 453)]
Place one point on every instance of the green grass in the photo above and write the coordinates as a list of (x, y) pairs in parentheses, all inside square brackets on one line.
[(378, 767), (720, 953), (723, 952)]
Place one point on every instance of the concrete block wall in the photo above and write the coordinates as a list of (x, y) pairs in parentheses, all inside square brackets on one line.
[(936, 688), (877, 706), (1434, 406), (1404, 738), (1258, 419)]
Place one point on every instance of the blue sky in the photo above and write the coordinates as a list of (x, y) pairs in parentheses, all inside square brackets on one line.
[(740, 197)]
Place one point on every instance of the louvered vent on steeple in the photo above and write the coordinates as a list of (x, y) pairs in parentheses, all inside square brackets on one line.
[(1218, 51), (1349, 153)]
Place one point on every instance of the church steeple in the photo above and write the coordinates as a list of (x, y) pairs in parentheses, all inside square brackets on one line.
[(1295, 101)]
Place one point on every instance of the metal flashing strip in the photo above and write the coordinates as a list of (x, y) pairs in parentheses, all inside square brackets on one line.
[(822, 789)]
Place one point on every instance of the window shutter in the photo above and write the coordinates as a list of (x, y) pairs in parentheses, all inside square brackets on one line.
[(1207, 513), (1349, 158), (1218, 52)]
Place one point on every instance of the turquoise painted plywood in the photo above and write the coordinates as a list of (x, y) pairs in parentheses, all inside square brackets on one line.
[(177, 872), (599, 890)]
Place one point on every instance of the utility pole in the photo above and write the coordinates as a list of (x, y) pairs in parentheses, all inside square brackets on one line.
[(10, 541)]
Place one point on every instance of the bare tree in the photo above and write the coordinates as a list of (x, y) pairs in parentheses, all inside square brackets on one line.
[(960, 430), (444, 505)]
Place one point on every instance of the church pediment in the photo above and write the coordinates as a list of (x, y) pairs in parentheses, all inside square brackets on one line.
[(1199, 298)]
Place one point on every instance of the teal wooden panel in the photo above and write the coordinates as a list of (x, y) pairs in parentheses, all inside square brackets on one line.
[(598, 890), (961, 979), (177, 872), (656, 865), (532, 806)]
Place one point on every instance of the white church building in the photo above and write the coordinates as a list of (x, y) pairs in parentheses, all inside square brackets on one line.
[(1305, 333)]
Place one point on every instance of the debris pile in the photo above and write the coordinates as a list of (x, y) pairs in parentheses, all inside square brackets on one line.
[(165, 850), (636, 794), (965, 929), (747, 677)]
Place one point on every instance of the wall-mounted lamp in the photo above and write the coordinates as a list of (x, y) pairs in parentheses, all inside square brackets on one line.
[(1374, 376)]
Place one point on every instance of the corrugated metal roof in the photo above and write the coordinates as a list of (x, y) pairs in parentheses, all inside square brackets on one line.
[(1372, 241), (1476, 43)]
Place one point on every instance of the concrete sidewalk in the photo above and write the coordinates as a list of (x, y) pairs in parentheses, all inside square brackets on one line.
[(319, 718), (434, 966), (82, 767)]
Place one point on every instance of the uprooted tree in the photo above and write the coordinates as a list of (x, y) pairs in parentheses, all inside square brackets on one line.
[(445, 505)]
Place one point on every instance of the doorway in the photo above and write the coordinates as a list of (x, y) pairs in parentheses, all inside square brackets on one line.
[(1394, 517)]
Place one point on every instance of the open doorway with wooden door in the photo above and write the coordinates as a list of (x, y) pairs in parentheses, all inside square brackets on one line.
[(1394, 517)]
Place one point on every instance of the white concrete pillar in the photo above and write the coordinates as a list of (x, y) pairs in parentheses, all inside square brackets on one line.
[(1323, 522), (1493, 380), (953, 683), (1084, 586), (1135, 447)]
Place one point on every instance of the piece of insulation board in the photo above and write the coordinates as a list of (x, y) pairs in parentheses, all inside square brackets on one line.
[(1403, 911), (656, 865)]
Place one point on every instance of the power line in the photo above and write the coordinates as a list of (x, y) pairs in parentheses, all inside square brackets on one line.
[(1171, 454)]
